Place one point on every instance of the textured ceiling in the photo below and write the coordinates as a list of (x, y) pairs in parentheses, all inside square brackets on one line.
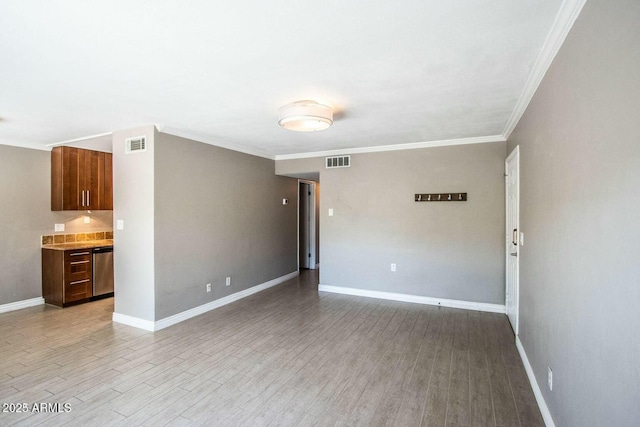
[(218, 71)]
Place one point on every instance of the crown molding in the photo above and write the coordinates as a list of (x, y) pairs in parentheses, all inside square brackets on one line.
[(30, 145), (563, 23), (205, 140), (84, 138), (394, 147)]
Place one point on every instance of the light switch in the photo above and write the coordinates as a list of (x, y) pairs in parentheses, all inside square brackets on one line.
[(58, 227), (330, 212), (521, 238), (120, 224)]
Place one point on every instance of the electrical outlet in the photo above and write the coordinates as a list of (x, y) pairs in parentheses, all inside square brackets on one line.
[(208, 287), (58, 227), (228, 281), (87, 220), (550, 378), (393, 267)]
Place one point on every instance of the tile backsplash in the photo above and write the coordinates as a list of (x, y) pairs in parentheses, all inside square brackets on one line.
[(49, 239)]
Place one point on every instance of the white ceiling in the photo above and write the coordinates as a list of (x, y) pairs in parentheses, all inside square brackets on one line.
[(413, 71)]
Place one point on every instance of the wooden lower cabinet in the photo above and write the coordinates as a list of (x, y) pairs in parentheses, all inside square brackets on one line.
[(67, 276)]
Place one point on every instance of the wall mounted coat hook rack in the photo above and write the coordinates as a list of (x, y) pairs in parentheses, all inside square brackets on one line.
[(441, 197)]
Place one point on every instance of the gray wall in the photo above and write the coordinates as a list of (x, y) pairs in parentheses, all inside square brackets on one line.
[(133, 202), (218, 213), (25, 215), (580, 207), (442, 250)]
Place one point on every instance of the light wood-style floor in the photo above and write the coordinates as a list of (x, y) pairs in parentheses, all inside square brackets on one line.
[(286, 356)]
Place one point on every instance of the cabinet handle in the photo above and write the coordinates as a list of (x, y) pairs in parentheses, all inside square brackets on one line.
[(88, 199), (79, 262), (82, 197), (79, 253), (80, 281)]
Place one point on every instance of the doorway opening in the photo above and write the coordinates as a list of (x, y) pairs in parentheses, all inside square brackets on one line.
[(513, 237), (307, 225)]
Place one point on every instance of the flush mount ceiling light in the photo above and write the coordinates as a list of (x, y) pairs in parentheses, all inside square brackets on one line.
[(305, 116)]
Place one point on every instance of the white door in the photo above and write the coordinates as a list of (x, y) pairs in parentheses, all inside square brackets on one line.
[(512, 196), (307, 225)]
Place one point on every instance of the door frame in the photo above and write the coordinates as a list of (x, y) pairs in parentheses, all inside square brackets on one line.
[(508, 236), (312, 223)]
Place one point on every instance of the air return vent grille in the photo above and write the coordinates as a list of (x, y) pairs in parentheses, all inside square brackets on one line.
[(136, 144), (338, 162)]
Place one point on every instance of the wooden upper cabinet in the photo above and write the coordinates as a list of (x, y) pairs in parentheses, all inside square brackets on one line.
[(80, 179)]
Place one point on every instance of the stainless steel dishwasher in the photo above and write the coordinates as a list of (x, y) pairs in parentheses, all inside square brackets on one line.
[(103, 271)]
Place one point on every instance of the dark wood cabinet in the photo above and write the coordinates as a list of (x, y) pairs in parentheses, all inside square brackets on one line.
[(81, 179), (66, 276)]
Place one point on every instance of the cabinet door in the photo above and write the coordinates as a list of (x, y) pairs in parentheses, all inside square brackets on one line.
[(108, 181), (71, 179), (92, 177), (67, 179), (56, 179), (84, 166)]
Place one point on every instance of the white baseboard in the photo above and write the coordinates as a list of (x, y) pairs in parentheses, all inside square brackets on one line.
[(466, 305), (136, 322), (544, 409), (18, 305), (196, 311)]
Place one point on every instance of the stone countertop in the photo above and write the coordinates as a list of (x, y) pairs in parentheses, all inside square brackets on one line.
[(79, 245)]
